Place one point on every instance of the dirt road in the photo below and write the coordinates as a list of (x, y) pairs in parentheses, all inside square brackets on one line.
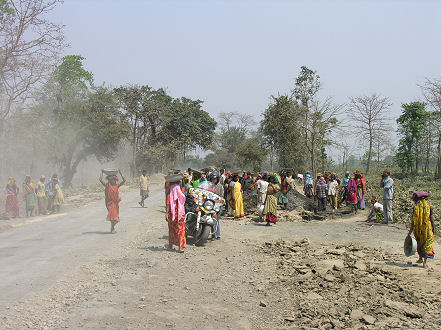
[(66, 271)]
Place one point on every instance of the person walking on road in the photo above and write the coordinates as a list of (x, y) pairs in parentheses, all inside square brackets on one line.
[(143, 188), (175, 216), (112, 198), (422, 226), (388, 194)]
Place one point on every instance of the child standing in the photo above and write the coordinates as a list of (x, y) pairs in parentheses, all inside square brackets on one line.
[(112, 198)]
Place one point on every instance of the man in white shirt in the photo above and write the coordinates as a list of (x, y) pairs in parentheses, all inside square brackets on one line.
[(262, 186), (143, 188), (376, 207), (332, 192)]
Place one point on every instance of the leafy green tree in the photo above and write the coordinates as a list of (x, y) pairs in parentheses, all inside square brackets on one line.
[(318, 118), (251, 154), (280, 127), (82, 121), (412, 122), (142, 107)]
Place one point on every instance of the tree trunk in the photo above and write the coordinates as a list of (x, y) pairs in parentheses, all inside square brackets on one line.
[(438, 163), (134, 147), (369, 154)]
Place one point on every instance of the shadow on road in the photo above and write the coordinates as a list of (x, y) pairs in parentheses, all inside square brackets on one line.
[(96, 232), (155, 248), (396, 264)]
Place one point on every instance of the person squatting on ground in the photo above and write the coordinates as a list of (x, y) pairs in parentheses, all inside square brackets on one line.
[(388, 195), (270, 209), (422, 226), (40, 190), (143, 188), (321, 193), (29, 196), (112, 198), (377, 211), (11, 207), (175, 216)]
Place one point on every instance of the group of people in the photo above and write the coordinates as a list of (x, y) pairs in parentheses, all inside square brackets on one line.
[(329, 189), (40, 198)]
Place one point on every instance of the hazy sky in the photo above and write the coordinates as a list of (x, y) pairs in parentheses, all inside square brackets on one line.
[(235, 54)]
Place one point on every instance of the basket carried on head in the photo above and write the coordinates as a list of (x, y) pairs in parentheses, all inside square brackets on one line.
[(174, 178), (110, 171)]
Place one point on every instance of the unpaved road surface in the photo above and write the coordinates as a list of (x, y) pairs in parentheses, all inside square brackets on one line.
[(66, 271)]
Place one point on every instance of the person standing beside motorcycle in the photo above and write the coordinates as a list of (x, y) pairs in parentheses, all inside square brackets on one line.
[(175, 216), (214, 178), (238, 199)]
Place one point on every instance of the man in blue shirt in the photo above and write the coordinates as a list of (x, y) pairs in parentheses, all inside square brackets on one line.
[(388, 194)]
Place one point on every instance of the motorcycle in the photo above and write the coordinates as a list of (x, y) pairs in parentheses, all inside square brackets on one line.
[(201, 209)]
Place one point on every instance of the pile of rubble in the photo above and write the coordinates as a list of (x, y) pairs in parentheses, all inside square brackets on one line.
[(346, 286)]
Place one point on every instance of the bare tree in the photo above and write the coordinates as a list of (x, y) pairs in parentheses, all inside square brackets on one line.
[(432, 94), (319, 126), (30, 45), (369, 116), (227, 118)]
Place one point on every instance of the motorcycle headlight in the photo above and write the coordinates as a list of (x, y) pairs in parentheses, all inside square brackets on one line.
[(209, 205)]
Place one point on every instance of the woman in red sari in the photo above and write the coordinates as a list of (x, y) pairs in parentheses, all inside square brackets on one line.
[(175, 217), (112, 198), (11, 191)]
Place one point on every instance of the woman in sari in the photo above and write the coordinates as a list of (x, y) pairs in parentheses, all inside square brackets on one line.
[(361, 189), (352, 198), (11, 191), (29, 196), (112, 198), (238, 199), (422, 226), (175, 216), (270, 209), (40, 190)]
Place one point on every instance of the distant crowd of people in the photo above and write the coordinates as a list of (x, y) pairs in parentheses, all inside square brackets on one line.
[(40, 198)]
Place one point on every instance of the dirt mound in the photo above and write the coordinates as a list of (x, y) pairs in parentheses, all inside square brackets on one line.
[(347, 286), (297, 200), (250, 201)]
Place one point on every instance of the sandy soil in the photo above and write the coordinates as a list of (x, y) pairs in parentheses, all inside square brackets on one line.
[(67, 272)]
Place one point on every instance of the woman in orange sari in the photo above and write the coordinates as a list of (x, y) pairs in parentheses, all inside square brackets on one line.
[(112, 198), (175, 216)]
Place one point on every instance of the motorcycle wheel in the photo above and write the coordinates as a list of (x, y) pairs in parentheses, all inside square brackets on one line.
[(202, 237)]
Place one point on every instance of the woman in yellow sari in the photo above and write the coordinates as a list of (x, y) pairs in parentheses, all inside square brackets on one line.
[(238, 199), (422, 226)]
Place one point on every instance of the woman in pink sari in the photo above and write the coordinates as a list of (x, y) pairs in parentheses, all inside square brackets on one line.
[(11, 191), (176, 217), (352, 198)]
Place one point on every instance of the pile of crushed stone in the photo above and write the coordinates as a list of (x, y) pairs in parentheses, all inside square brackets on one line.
[(348, 286)]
